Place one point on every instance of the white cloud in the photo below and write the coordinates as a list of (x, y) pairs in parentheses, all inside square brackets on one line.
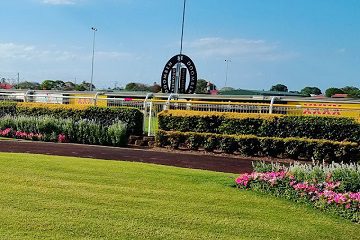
[(59, 2), (113, 55), (17, 52), (238, 48), (12, 51)]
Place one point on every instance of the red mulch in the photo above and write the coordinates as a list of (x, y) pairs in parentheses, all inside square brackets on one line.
[(213, 162)]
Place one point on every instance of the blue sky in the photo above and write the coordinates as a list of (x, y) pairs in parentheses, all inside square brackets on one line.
[(298, 43)]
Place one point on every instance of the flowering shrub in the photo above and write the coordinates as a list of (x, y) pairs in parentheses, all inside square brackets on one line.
[(325, 195), (10, 133), (52, 129)]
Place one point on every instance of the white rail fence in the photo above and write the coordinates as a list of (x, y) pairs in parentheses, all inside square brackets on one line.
[(151, 107)]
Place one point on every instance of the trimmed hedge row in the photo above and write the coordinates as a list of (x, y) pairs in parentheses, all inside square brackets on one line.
[(330, 128), (132, 117), (250, 145)]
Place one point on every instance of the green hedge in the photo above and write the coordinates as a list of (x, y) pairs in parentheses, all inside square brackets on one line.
[(7, 108), (133, 118), (330, 128), (250, 145)]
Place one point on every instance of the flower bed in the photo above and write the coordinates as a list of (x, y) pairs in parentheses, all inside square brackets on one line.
[(334, 188), (133, 118), (52, 129)]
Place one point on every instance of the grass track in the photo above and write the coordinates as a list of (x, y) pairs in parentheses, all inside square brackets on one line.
[(49, 197)]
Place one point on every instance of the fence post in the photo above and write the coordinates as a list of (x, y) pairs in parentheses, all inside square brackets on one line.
[(150, 118), (145, 113), (271, 105), (26, 95), (171, 96)]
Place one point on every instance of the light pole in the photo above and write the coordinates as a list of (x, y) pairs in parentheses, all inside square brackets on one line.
[(178, 65), (227, 69), (92, 62)]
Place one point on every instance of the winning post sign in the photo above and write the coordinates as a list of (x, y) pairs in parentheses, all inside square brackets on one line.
[(170, 71)]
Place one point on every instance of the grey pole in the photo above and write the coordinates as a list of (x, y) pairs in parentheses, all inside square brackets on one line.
[(178, 65), (92, 62), (227, 69)]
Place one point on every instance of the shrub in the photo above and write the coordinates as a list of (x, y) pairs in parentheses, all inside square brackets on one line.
[(132, 117), (7, 108), (49, 128), (266, 125), (117, 134), (249, 145), (334, 188), (348, 174)]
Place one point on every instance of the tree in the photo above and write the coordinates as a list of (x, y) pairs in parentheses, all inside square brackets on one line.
[(47, 85), (349, 89), (279, 88), (310, 91), (155, 88), (201, 86), (136, 87), (69, 86), (355, 94), (28, 85), (84, 86), (225, 89), (332, 91)]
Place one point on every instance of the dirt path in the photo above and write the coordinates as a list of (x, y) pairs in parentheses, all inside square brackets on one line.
[(186, 160)]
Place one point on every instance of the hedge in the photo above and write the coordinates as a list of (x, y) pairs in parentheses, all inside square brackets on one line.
[(106, 116), (7, 108), (250, 145), (266, 125)]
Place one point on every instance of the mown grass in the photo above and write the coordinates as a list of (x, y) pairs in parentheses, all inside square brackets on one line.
[(49, 197)]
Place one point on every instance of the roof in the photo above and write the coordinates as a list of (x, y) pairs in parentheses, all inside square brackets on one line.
[(259, 92), (5, 86)]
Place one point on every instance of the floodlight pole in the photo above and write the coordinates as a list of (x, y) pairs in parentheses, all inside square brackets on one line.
[(227, 69), (93, 57)]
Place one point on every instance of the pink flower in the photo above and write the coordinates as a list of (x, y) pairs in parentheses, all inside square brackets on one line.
[(61, 138)]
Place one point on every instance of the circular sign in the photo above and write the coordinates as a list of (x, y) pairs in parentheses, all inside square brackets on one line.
[(171, 66)]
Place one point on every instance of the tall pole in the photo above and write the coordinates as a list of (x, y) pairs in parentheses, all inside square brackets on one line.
[(178, 65), (92, 62), (227, 69), (182, 27)]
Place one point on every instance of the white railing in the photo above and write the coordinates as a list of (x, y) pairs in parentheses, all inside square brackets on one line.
[(151, 106)]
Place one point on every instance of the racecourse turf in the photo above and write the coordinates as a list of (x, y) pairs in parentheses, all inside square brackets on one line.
[(50, 197)]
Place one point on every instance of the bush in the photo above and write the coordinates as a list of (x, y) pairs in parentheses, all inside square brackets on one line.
[(133, 118), (50, 128), (7, 108), (347, 174), (333, 188), (265, 125), (117, 134), (249, 145)]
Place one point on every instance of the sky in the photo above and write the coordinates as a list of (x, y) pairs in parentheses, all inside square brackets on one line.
[(298, 43)]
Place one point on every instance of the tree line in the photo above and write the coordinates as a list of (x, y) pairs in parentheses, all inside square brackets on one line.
[(55, 85), (350, 91), (203, 87)]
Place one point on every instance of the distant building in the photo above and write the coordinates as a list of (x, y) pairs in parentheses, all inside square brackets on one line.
[(5, 86), (245, 92), (340, 95)]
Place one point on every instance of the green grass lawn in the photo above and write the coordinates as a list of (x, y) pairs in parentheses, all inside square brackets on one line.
[(47, 197)]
